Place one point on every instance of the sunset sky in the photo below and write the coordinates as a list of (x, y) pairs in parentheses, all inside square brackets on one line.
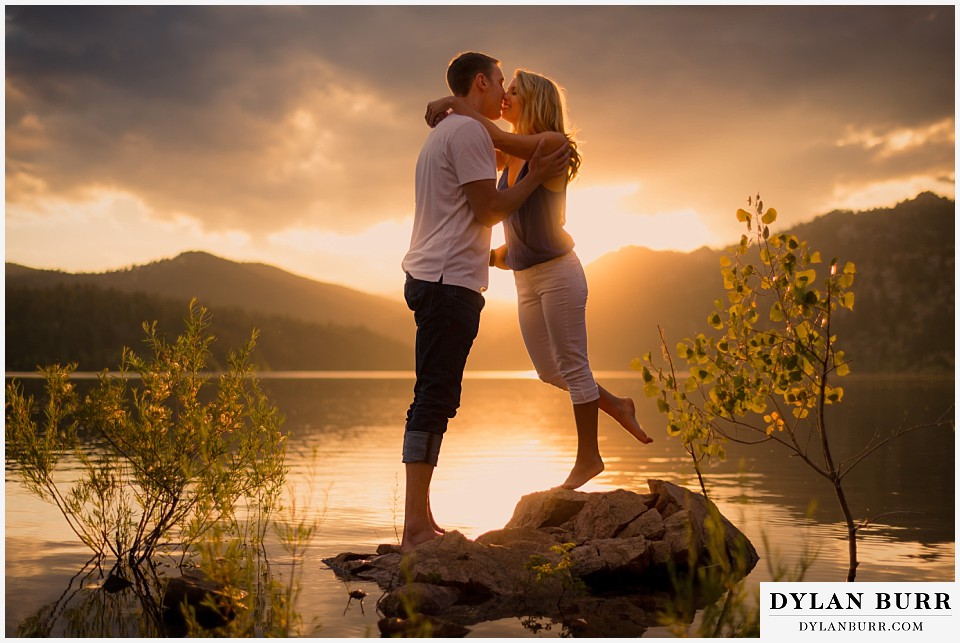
[(288, 135)]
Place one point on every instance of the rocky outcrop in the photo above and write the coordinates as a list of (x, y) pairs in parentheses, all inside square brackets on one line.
[(564, 554)]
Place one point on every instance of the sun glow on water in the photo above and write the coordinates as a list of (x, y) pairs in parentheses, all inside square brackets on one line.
[(477, 488)]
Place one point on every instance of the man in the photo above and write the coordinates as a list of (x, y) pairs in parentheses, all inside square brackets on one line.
[(457, 202)]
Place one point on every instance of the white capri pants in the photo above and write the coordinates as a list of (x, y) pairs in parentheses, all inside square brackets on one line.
[(552, 302)]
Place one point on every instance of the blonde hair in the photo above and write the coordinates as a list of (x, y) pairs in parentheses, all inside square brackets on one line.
[(542, 110)]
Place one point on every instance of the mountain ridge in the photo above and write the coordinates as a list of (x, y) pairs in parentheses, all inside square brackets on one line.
[(902, 321), (258, 287)]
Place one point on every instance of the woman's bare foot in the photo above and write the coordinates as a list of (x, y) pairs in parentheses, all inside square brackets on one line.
[(625, 413), (582, 473)]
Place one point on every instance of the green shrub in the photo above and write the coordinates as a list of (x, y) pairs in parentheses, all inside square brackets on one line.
[(167, 450)]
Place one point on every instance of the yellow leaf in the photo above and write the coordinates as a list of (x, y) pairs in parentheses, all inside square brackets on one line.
[(804, 277), (776, 313)]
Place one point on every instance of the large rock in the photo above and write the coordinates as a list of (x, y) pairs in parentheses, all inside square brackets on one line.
[(649, 525), (688, 519), (612, 558), (559, 549), (477, 571), (605, 515), (547, 508)]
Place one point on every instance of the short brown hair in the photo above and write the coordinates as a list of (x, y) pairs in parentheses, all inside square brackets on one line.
[(465, 67)]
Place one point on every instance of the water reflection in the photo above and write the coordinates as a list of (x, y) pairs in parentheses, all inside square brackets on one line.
[(83, 609), (512, 437)]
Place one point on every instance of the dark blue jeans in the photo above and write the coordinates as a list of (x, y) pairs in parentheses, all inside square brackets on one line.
[(448, 318)]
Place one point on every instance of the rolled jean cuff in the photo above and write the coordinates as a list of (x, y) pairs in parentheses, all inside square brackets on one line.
[(421, 446)]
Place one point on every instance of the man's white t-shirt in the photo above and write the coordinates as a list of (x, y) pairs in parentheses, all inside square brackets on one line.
[(447, 239)]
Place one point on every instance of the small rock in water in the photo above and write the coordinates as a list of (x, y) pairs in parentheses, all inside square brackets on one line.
[(357, 594), (193, 588), (115, 583)]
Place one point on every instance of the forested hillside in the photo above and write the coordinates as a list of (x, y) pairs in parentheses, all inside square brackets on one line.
[(903, 320), (256, 287), (89, 325)]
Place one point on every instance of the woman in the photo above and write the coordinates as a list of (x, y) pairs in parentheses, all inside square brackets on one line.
[(551, 286)]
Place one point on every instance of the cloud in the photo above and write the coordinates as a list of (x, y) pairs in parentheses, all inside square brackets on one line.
[(262, 119), (869, 194), (896, 141), (222, 131)]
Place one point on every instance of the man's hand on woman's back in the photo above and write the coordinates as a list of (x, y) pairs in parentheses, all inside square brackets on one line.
[(547, 166)]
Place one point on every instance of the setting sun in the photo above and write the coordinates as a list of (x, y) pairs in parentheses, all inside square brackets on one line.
[(600, 221)]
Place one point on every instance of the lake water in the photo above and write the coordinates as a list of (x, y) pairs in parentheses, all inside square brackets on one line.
[(515, 435)]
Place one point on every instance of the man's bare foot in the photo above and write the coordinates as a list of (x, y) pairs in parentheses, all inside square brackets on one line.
[(412, 538), (625, 413), (583, 473)]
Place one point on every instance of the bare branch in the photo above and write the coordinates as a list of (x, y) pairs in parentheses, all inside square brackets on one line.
[(943, 420)]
